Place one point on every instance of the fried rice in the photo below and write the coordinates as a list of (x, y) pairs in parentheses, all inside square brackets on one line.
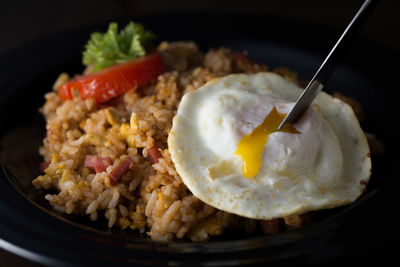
[(131, 132)]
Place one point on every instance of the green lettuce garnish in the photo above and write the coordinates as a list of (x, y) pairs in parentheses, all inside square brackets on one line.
[(107, 49)]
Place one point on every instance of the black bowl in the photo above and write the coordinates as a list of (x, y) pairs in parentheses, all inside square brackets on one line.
[(361, 231)]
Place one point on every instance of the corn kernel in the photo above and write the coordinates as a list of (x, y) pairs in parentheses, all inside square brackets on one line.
[(43, 181), (123, 223), (127, 133), (134, 123), (163, 200), (82, 124), (107, 182), (47, 171), (125, 130), (55, 158), (60, 168), (213, 226), (130, 140), (136, 216), (66, 176), (137, 225), (84, 172), (94, 139), (82, 184)]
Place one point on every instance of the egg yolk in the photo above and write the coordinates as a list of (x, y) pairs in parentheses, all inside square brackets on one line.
[(251, 146)]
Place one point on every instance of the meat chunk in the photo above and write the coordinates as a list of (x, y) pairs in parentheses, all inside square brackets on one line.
[(154, 154), (120, 170), (96, 163)]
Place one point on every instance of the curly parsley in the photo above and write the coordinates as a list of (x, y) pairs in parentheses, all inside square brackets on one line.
[(107, 49)]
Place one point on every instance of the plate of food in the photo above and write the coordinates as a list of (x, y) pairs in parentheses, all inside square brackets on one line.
[(141, 142)]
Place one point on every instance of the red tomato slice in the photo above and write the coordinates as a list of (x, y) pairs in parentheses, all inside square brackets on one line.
[(115, 80)]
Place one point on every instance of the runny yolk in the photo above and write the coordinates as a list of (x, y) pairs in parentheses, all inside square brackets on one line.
[(251, 146)]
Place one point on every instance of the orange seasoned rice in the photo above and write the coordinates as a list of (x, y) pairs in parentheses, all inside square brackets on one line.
[(149, 198)]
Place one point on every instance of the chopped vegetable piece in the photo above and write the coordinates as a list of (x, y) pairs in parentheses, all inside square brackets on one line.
[(106, 49), (101, 164), (89, 161), (120, 170), (154, 154), (44, 165), (114, 80), (96, 163)]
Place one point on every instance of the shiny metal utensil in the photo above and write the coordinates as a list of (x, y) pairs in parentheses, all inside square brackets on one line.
[(325, 70)]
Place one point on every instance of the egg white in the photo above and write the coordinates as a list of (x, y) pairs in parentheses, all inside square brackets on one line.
[(325, 166)]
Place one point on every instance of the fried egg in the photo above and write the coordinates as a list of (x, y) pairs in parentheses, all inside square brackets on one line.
[(322, 162)]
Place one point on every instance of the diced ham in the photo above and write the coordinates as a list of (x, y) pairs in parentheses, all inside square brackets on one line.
[(101, 164), (90, 161), (44, 165), (120, 170), (96, 163), (270, 226), (154, 154)]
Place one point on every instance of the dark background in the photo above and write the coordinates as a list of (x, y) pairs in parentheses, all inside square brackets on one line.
[(25, 21)]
